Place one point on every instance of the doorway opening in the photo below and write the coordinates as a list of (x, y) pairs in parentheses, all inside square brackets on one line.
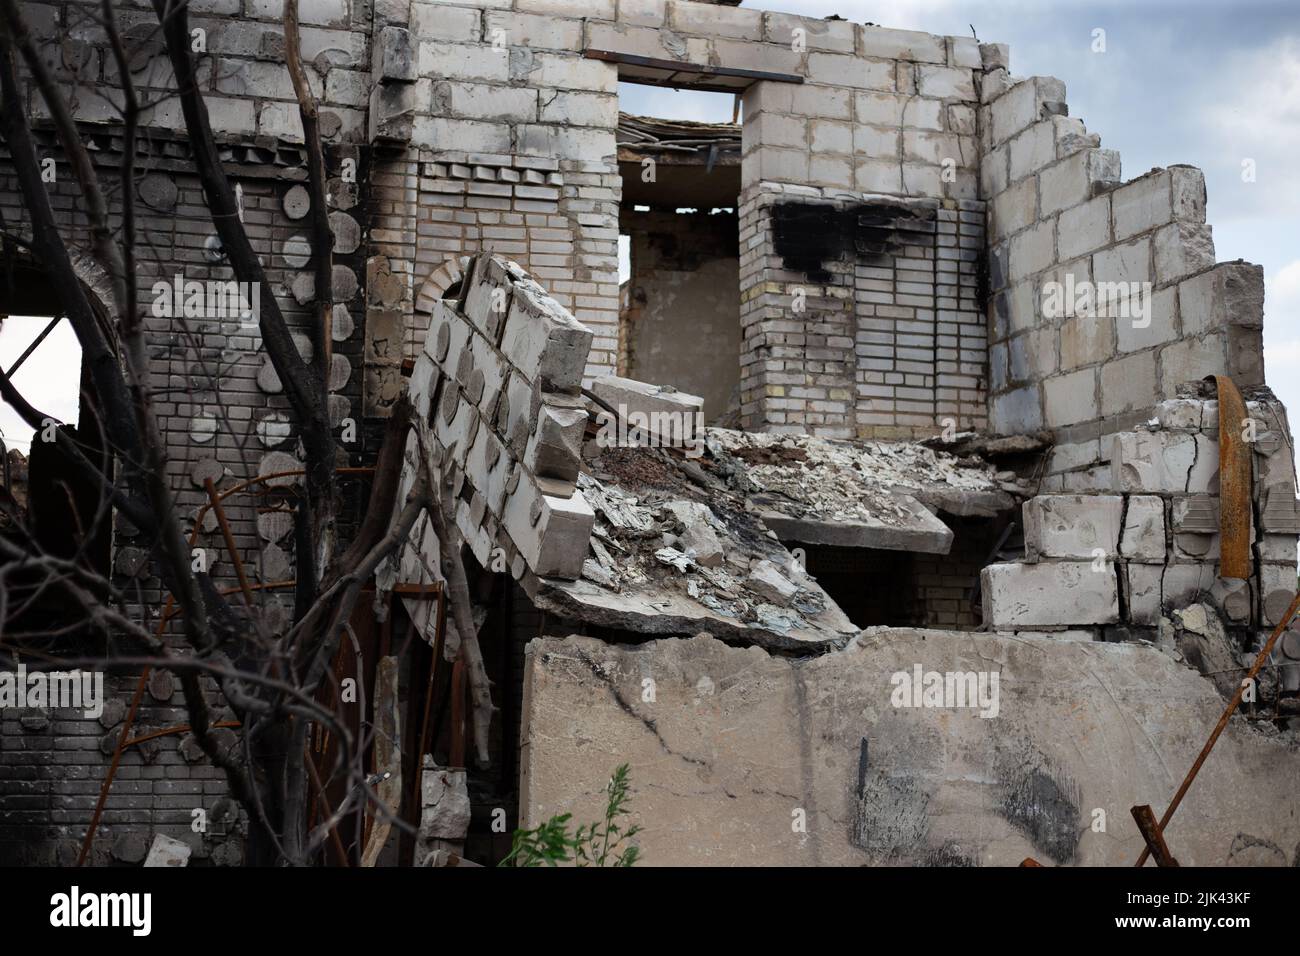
[(679, 315)]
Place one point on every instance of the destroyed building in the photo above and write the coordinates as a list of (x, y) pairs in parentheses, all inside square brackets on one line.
[(919, 384)]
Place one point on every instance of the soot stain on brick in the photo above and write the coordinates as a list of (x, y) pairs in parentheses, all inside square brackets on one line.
[(1039, 800), (809, 235)]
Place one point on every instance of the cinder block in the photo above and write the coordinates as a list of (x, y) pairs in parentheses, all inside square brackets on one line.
[(1072, 526), (552, 533), (555, 448), (1164, 462), (1143, 205), (1143, 536), (668, 416), (543, 341), (1182, 249), (1229, 294), (1143, 592), (1055, 593)]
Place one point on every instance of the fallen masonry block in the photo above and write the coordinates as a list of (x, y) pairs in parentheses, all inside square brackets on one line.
[(555, 446), (507, 420), (487, 298), (1072, 526), (543, 341), (1051, 593), (551, 533), (648, 414)]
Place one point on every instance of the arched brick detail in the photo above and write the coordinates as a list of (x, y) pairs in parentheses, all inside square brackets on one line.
[(436, 283), (431, 290)]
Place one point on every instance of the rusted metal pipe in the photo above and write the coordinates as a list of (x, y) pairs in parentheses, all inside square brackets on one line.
[(1150, 830)]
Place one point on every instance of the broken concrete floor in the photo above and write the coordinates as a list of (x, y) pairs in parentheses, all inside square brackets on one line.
[(735, 748)]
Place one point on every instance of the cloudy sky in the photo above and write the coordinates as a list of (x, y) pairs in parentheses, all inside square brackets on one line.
[(1181, 81)]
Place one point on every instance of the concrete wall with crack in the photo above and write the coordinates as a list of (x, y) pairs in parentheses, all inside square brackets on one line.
[(744, 758)]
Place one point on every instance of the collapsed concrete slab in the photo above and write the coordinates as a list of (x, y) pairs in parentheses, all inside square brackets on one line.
[(741, 758)]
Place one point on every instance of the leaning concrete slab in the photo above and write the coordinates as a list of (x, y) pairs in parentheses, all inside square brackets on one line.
[(741, 758)]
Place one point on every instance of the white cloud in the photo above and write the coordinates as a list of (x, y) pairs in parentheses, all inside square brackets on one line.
[(1256, 116)]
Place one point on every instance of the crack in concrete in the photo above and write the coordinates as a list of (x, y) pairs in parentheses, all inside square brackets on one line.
[(628, 709)]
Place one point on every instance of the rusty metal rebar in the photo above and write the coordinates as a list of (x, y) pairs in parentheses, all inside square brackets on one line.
[(1223, 721)]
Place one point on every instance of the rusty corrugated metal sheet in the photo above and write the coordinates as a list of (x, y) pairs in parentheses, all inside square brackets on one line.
[(1234, 483)]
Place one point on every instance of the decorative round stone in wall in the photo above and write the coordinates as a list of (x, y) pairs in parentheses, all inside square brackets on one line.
[(274, 462), (203, 428), (474, 386), (131, 847), (1276, 604), (386, 288), (330, 124), (158, 192), (342, 195), (493, 454), (274, 565), (342, 327), (125, 527), (1290, 644), (513, 481), (190, 750), (450, 399), (340, 372), (303, 288), (472, 431), (114, 711), (268, 380), (275, 616), (274, 526), (212, 249), (345, 284), (339, 407), (1237, 604), (464, 365), (206, 469), (296, 252), (161, 686), (297, 202), (347, 234), (443, 342), (535, 512), (274, 429)]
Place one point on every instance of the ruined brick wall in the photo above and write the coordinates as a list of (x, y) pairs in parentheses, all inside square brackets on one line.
[(220, 406), (1064, 225), (879, 112), (222, 417)]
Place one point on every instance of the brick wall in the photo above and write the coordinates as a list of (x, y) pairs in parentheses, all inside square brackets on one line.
[(1061, 221)]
